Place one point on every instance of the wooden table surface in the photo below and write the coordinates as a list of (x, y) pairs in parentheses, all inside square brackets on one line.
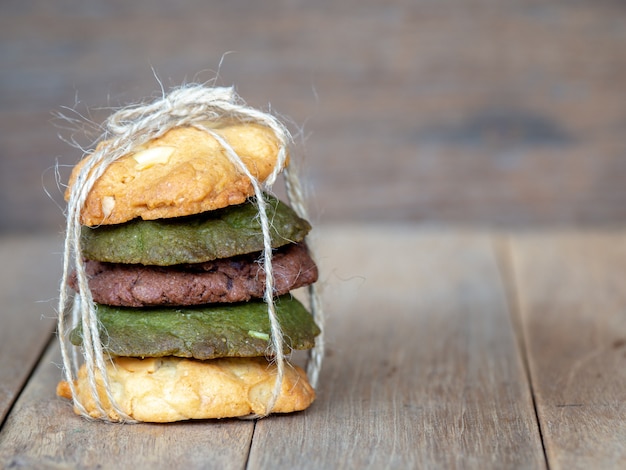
[(447, 348)]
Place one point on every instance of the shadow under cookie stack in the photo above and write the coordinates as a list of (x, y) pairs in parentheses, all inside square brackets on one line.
[(173, 263)]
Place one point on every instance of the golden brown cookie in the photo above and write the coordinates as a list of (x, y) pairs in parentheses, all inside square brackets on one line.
[(171, 389), (186, 171)]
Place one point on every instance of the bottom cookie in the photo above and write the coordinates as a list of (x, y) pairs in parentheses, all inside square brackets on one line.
[(169, 389)]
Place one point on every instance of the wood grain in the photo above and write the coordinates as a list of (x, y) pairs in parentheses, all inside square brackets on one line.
[(28, 291), (573, 308), (43, 432), (423, 367), (423, 370), (492, 112)]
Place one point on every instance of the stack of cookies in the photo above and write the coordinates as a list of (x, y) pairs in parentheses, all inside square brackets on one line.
[(172, 245)]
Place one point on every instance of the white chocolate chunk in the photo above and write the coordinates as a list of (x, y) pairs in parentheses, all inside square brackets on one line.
[(259, 335), (152, 156), (108, 203)]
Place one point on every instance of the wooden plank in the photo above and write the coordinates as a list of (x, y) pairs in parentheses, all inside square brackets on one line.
[(29, 276), (422, 368), (43, 432), (481, 111), (573, 309)]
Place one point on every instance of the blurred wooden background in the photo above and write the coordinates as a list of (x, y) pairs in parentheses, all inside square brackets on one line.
[(437, 111)]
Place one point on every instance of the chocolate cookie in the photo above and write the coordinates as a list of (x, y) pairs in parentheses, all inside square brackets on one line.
[(234, 279)]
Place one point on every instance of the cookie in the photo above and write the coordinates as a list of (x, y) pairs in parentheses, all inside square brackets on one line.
[(222, 233), (186, 171), (236, 279), (172, 389), (202, 332)]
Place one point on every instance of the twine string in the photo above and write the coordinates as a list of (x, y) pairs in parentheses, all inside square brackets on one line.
[(295, 195), (276, 346), (134, 126)]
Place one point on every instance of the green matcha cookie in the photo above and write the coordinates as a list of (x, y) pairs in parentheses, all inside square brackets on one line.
[(220, 330), (222, 233)]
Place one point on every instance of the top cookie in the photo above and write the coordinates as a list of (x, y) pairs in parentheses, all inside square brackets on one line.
[(184, 172)]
